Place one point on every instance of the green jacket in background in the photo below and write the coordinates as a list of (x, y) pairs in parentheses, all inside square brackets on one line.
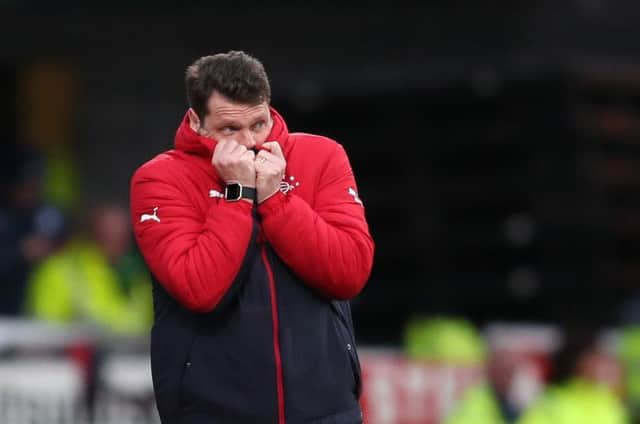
[(448, 340), (630, 358), (478, 406), (576, 402), (78, 284), (456, 342)]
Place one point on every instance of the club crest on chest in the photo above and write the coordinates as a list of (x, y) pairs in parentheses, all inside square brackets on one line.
[(288, 183)]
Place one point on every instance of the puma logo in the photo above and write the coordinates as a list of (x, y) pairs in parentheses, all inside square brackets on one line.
[(152, 217), (354, 193), (216, 193)]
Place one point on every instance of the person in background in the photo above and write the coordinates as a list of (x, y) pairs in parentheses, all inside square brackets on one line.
[(101, 280), (586, 385), (456, 342), (510, 385), (30, 229)]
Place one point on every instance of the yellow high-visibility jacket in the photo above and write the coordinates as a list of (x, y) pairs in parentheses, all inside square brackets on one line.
[(577, 401), (78, 284), (478, 406)]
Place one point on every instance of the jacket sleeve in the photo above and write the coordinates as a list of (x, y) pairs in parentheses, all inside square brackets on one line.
[(329, 245), (195, 257)]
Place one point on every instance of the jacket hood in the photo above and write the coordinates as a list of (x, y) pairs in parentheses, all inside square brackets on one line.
[(189, 141)]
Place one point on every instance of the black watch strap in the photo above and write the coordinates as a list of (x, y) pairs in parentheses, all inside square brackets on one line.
[(236, 191), (249, 193)]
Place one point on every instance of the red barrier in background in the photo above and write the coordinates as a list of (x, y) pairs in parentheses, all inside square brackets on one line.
[(397, 390)]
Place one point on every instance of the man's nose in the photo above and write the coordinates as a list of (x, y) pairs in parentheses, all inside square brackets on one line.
[(247, 139)]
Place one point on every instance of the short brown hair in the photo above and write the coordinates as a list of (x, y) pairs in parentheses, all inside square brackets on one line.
[(235, 74)]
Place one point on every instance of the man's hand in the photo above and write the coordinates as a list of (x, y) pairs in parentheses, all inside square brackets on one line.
[(270, 167), (234, 162)]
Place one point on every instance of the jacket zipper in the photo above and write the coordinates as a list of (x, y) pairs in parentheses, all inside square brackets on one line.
[(276, 336)]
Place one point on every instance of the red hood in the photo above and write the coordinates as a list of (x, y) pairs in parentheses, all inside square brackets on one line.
[(189, 141)]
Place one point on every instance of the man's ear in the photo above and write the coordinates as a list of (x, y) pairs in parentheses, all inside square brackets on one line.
[(194, 121)]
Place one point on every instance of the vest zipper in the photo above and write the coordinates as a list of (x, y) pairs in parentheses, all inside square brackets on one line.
[(276, 336)]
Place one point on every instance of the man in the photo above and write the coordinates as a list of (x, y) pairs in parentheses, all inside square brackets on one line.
[(257, 239)]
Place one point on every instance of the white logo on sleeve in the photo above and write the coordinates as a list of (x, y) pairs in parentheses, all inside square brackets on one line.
[(215, 193), (354, 193), (152, 217)]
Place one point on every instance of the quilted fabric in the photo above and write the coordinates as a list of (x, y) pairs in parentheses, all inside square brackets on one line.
[(197, 240)]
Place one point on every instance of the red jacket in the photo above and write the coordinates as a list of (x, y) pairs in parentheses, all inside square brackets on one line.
[(317, 228), (250, 296)]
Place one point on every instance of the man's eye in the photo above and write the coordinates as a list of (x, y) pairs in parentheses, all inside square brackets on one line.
[(258, 125), (227, 130)]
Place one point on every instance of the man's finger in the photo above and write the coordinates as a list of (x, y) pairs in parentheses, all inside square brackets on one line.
[(238, 150), (249, 154), (225, 146), (265, 156), (273, 147), (220, 146)]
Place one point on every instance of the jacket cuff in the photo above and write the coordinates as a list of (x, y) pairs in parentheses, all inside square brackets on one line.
[(241, 207), (273, 204)]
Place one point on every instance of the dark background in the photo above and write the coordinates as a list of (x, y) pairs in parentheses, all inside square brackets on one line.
[(495, 145)]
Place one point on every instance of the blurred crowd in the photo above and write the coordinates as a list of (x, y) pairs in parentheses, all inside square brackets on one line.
[(579, 373), (63, 263), (65, 258)]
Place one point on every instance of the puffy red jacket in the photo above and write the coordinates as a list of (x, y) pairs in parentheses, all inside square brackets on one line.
[(316, 224)]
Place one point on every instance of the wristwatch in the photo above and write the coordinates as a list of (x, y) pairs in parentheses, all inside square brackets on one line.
[(236, 191)]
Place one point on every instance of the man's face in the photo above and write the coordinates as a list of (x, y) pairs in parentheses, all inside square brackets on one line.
[(601, 367), (111, 231), (248, 125)]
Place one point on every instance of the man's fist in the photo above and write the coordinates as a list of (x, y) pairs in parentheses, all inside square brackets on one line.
[(270, 167), (234, 162)]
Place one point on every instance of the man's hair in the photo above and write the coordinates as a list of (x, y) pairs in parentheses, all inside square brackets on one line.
[(236, 75)]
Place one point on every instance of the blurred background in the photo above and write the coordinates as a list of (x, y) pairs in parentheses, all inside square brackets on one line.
[(496, 148)]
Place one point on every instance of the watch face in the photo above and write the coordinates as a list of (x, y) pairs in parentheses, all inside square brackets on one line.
[(232, 191)]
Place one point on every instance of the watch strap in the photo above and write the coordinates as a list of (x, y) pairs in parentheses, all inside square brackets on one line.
[(248, 193)]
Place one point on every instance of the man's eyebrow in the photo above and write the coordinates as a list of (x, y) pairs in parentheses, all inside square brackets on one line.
[(228, 123), (258, 119)]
